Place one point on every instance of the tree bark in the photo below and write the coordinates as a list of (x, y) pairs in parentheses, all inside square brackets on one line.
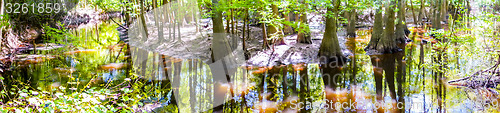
[(351, 26), (274, 31), (436, 22), (378, 30), (304, 35), (387, 44), (143, 21), (288, 29), (158, 22), (422, 12), (220, 48), (264, 37), (415, 20), (245, 20), (330, 47), (400, 27), (1, 29)]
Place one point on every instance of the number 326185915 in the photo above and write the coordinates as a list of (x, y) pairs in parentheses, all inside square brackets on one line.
[(34, 7)]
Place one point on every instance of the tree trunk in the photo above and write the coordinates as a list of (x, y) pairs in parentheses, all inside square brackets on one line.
[(158, 22), (330, 48), (228, 30), (387, 44), (176, 78), (378, 29), (245, 20), (179, 19), (436, 22), (422, 12), (288, 29), (1, 28), (143, 21), (351, 26), (400, 27), (444, 10), (264, 37), (304, 35), (172, 23), (274, 31), (415, 20), (220, 48)]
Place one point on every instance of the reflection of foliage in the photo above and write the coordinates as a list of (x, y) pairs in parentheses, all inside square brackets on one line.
[(71, 83)]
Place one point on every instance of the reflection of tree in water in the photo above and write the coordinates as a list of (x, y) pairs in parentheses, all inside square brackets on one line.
[(438, 78), (389, 65)]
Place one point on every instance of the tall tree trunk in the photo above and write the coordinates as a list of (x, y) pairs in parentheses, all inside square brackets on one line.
[(436, 22), (352, 16), (387, 44), (378, 29), (384, 42), (158, 21), (400, 27), (264, 37), (172, 23), (179, 20), (415, 20), (177, 68), (232, 22), (228, 30), (444, 10), (243, 41), (143, 20), (423, 14), (304, 35), (274, 31), (272, 28), (1, 28), (288, 29), (330, 48), (220, 48)]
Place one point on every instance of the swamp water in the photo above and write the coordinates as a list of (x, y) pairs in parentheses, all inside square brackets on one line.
[(98, 60)]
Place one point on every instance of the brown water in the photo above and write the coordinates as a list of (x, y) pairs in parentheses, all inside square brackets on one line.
[(414, 80)]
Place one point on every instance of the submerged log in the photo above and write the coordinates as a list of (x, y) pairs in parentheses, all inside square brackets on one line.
[(481, 79)]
